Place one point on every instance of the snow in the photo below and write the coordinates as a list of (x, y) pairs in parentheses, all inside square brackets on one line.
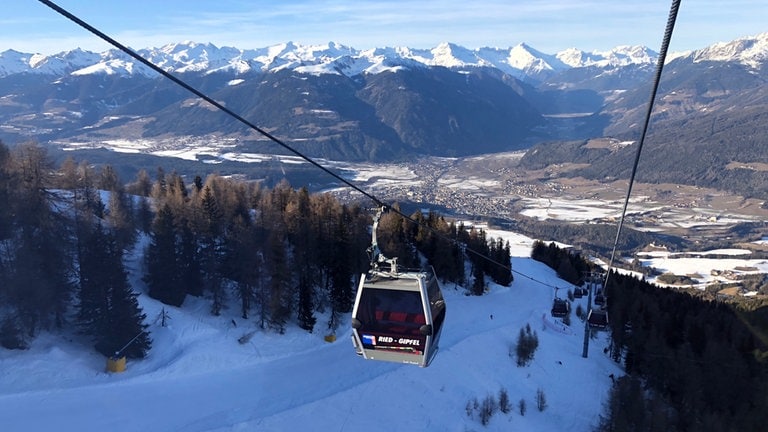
[(328, 58), (573, 210), (751, 51), (197, 376), (471, 183), (368, 172), (333, 58), (701, 266)]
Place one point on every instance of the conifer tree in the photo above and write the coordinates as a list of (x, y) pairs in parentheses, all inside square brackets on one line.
[(160, 186), (163, 272), (306, 312), (68, 178), (108, 310), (142, 186), (38, 285), (143, 214), (478, 281), (109, 180), (396, 239), (209, 233), (279, 282), (304, 241), (120, 217), (87, 196), (243, 262), (342, 269)]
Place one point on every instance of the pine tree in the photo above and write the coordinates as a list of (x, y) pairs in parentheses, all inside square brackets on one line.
[(127, 323), (188, 260), (478, 282), (11, 335), (37, 285), (93, 276), (163, 272), (502, 275), (306, 312), (87, 196), (242, 262), (108, 310), (341, 265), (143, 216)]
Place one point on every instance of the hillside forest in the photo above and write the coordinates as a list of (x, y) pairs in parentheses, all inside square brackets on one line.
[(280, 255), (692, 363)]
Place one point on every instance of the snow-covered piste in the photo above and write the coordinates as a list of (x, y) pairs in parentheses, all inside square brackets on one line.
[(198, 377)]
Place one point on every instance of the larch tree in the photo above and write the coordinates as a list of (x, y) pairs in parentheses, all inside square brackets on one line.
[(280, 293), (304, 245), (243, 262), (210, 241)]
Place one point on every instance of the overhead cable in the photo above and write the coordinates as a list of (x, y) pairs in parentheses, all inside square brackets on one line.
[(656, 80)]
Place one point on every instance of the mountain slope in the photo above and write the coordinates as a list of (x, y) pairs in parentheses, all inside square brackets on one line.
[(198, 377)]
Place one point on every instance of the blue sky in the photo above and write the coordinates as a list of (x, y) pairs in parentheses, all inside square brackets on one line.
[(547, 25)]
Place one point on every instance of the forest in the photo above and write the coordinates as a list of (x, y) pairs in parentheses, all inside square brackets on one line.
[(692, 363), (281, 255)]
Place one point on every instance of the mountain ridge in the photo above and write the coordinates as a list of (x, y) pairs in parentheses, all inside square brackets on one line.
[(189, 56), (395, 103)]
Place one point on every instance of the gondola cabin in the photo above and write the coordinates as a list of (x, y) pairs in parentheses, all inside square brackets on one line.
[(398, 317), (598, 319), (599, 298), (560, 308)]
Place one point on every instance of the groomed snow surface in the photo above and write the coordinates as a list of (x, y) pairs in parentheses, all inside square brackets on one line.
[(198, 377)]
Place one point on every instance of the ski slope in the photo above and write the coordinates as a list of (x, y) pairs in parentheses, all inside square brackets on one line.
[(198, 377)]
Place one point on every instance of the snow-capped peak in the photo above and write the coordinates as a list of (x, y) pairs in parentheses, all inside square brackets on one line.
[(451, 55), (12, 62), (622, 55), (751, 51), (521, 61), (525, 58)]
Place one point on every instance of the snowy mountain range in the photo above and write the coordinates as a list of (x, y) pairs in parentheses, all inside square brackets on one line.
[(337, 102), (521, 61)]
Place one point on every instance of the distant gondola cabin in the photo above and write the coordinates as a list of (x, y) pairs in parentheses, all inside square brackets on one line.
[(599, 298), (598, 318), (560, 308)]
